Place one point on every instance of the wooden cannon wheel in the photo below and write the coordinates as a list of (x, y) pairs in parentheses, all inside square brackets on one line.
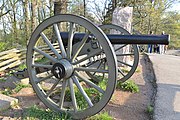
[(65, 87), (125, 68)]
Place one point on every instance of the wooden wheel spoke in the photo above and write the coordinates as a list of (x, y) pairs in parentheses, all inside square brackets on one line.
[(44, 78), (90, 83), (52, 88), (73, 97), (91, 70), (63, 52), (88, 57), (80, 46), (99, 67), (45, 54), (125, 63), (70, 40), (124, 54), (61, 100), (42, 66), (120, 47), (76, 81), (119, 70), (50, 45)]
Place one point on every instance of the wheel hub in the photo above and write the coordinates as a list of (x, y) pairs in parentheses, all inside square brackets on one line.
[(62, 69)]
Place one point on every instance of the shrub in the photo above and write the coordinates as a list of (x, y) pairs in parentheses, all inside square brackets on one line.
[(19, 86), (128, 86), (35, 113), (101, 116)]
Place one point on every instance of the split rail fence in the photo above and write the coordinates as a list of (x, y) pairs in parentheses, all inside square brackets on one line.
[(13, 58)]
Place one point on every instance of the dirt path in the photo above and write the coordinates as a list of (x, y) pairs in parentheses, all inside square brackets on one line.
[(123, 105), (134, 106)]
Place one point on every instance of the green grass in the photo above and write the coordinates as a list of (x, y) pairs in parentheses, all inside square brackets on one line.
[(128, 85), (124, 70), (81, 102), (101, 116), (22, 66), (2, 80), (41, 60), (138, 70), (150, 109), (35, 113), (7, 91), (91, 92), (19, 86)]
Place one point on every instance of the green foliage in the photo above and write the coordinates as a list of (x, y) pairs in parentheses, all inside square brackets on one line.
[(3, 46), (81, 102), (124, 70), (41, 60), (22, 67), (138, 70), (174, 44), (150, 109), (128, 86), (7, 91), (19, 86), (35, 113), (2, 80), (103, 82), (91, 92), (101, 116)]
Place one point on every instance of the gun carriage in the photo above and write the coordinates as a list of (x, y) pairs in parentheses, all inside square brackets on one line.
[(81, 63)]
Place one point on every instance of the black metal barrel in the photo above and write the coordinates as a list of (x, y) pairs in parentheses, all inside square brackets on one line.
[(125, 39)]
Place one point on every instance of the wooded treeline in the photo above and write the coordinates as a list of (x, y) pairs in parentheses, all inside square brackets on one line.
[(18, 18)]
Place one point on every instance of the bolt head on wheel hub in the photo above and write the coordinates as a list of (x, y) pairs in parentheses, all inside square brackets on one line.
[(62, 69)]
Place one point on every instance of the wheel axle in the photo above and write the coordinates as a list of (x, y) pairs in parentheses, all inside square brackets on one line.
[(62, 69)]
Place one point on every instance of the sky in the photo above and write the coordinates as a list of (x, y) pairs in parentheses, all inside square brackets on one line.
[(176, 7)]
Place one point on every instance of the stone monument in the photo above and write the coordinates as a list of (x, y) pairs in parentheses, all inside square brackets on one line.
[(122, 17)]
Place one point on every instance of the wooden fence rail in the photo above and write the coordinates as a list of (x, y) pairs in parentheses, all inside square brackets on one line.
[(14, 57), (11, 58)]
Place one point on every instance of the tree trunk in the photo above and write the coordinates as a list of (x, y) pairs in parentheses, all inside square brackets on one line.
[(60, 7), (14, 22), (34, 12), (26, 19)]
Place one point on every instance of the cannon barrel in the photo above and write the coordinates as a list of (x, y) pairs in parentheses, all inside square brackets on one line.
[(139, 39), (125, 39)]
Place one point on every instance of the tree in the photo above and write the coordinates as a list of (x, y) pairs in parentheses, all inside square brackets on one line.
[(33, 14), (2, 12), (60, 6), (26, 19), (171, 24)]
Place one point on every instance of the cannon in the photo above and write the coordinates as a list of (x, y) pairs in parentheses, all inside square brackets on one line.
[(75, 70)]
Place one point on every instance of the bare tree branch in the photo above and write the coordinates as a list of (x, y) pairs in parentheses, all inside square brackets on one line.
[(2, 14)]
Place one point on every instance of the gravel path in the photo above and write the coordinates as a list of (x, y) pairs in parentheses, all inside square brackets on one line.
[(167, 71), (134, 106)]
